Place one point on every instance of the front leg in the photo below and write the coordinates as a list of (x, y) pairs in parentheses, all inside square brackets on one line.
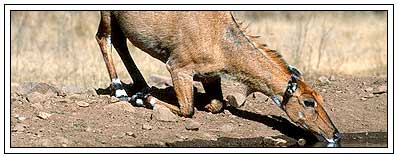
[(183, 86), (182, 78)]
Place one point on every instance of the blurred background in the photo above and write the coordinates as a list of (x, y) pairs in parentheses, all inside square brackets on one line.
[(59, 46)]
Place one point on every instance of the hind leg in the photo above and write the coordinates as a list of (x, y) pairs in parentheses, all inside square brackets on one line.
[(119, 42), (103, 37), (140, 87)]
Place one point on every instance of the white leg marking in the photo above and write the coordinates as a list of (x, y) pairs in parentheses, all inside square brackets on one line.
[(120, 93), (153, 101), (116, 81), (108, 39), (139, 102)]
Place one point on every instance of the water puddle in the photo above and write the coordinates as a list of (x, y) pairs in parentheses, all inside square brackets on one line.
[(369, 139)]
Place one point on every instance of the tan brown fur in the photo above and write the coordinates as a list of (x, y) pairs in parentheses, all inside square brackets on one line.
[(206, 45)]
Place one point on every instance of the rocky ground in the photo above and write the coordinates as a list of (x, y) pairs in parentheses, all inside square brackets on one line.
[(44, 115)]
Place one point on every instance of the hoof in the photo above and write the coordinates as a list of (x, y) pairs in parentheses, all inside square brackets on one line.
[(138, 99), (215, 106)]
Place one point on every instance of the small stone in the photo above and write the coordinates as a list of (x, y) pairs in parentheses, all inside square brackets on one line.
[(76, 96), (64, 141), (227, 128), (280, 142), (323, 90), (181, 137), (332, 78), (129, 133), (82, 104), (20, 118), (364, 99), (228, 113), (18, 127), (236, 99), (114, 99), (121, 105), (369, 89), (215, 106), (192, 125), (371, 95), (88, 129), (45, 142), (159, 143), (146, 126), (162, 113), (61, 93), (43, 115), (36, 97), (323, 80), (301, 142), (381, 89), (210, 137), (91, 92), (339, 91)]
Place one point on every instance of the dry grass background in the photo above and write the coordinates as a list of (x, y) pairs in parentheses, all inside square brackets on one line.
[(60, 47)]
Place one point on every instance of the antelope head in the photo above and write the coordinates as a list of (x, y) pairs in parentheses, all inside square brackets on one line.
[(304, 106)]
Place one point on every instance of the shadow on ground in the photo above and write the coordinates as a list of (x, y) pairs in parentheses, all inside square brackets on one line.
[(279, 123)]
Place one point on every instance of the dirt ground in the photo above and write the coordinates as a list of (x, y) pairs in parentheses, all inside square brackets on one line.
[(44, 115)]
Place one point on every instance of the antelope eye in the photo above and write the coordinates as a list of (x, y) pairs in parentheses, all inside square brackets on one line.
[(309, 102)]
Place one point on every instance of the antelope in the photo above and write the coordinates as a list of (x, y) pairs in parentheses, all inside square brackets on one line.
[(204, 46)]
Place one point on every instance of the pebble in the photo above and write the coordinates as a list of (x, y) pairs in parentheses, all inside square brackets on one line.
[(114, 99), (43, 115), (332, 78), (364, 99), (280, 141), (323, 80), (88, 129), (162, 113), (35, 97), (82, 104), (91, 92), (20, 118), (381, 89), (369, 89), (323, 90), (339, 91), (236, 99), (146, 126), (301, 142), (121, 105), (210, 137), (370, 96), (192, 125), (18, 127), (129, 133), (181, 137), (226, 128)]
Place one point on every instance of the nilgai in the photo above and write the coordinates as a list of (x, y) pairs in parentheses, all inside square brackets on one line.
[(205, 45)]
